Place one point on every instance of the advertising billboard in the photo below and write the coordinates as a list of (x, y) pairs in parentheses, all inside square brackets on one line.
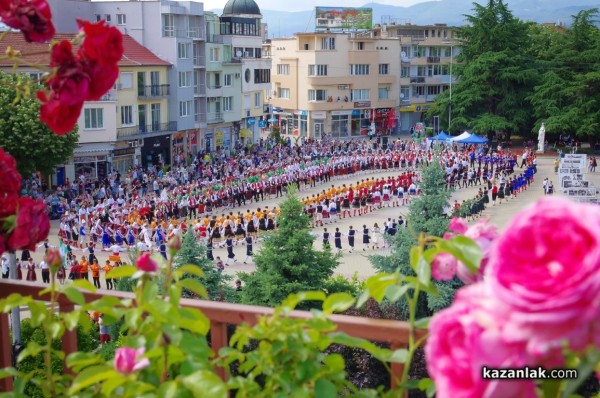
[(344, 18)]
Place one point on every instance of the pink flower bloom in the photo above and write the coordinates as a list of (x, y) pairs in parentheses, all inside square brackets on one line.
[(53, 258), (545, 271), (458, 225), (32, 17), (127, 360), (484, 234), (146, 264), (32, 225), (463, 339), (9, 175), (443, 267)]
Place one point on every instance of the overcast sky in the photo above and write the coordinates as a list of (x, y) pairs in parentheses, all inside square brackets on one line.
[(286, 5)]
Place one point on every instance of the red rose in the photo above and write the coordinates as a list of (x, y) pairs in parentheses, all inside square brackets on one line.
[(2, 246), (9, 176), (103, 44), (32, 17), (69, 86), (102, 78), (32, 225), (8, 206)]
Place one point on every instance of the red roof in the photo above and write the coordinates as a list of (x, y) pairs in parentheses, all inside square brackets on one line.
[(38, 53)]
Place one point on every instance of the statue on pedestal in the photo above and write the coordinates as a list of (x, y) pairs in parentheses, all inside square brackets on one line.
[(541, 138)]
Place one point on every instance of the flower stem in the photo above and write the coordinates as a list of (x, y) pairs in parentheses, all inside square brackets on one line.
[(48, 334)]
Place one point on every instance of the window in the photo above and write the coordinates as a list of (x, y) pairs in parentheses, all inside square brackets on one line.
[(317, 70), (227, 80), (127, 115), (422, 71), (107, 17), (433, 90), (405, 51), (384, 69), (214, 54), (257, 100), (262, 75), (185, 79), (227, 104), (98, 17), (168, 25), (283, 69), (360, 94), (283, 93), (359, 69), (317, 95), (328, 43), (185, 108), (121, 19), (93, 118), (125, 80), (418, 91), (383, 93), (435, 51), (35, 76), (404, 93), (360, 45), (418, 51), (183, 50), (257, 53), (405, 71), (248, 52)]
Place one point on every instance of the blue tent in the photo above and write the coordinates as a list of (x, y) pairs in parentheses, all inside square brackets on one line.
[(440, 137), (473, 139)]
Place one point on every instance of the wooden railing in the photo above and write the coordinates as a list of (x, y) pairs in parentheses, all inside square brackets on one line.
[(220, 314)]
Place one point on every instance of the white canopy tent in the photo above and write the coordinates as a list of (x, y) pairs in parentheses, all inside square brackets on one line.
[(461, 137)]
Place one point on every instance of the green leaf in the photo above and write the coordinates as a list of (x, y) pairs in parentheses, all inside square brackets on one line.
[(194, 286), (465, 250), (422, 323), (74, 295), (423, 271), (205, 384), (80, 360), (362, 299), (585, 368), (31, 350), (124, 271), (84, 284), (395, 292), (91, 376), (428, 386), (189, 269), (113, 383), (338, 302), (335, 362), (170, 389), (399, 356), (325, 389)]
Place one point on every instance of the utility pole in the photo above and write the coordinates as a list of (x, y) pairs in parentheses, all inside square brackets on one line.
[(15, 314)]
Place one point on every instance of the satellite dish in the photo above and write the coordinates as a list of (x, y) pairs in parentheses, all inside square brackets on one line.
[(401, 95), (403, 54), (238, 53)]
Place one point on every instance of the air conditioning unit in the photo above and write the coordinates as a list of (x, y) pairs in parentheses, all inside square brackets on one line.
[(140, 142), (238, 75)]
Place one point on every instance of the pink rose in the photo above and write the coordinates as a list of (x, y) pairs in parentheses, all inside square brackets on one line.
[(10, 177), (127, 360), (53, 258), (484, 234), (545, 272), (443, 267), (146, 264), (466, 337), (458, 225)]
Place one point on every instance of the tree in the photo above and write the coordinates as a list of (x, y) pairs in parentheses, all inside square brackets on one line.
[(567, 97), (287, 262), (192, 252), (495, 74), (23, 135), (426, 215)]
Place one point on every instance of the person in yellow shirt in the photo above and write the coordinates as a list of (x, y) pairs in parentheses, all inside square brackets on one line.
[(96, 274), (84, 268), (107, 267)]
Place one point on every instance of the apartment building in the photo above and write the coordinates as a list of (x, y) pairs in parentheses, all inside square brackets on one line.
[(427, 54), (334, 84), (122, 128)]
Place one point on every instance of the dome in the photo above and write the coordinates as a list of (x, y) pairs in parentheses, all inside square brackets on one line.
[(241, 7)]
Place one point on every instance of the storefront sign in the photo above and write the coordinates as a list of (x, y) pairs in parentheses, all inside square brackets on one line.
[(362, 104), (320, 115), (250, 121), (415, 108), (124, 151), (301, 113), (381, 112), (337, 113)]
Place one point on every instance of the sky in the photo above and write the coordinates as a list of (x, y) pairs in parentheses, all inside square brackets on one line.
[(287, 5)]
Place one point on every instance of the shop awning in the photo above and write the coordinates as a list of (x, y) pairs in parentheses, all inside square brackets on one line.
[(96, 148), (245, 133)]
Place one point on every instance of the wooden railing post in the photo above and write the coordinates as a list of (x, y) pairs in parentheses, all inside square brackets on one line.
[(5, 351), (69, 340), (218, 340)]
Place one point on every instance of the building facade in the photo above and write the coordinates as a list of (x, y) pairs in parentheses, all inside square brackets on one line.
[(340, 85)]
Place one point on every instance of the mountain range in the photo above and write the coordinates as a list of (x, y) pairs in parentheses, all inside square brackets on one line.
[(450, 12)]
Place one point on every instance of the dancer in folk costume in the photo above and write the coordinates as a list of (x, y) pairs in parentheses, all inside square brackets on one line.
[(366, 237), (106, 236), (249, 244), (119, 238), (31, 275), (229, 245), (351, 235), (209, 250), (130, 236), (337, 240)]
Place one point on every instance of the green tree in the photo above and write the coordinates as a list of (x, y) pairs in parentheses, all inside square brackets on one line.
[(426, 214), (287, 261), (495, 74), (568, 96), (23, 135), (193, 252)]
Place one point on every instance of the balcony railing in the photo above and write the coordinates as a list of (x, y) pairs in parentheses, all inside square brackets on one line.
[(200, 89), (153, 91), (221, 315), (417, 79), (146, 129), (192, 33), (200, 117), (212, 38), (111, 95), (199, 60), (433, 60), (215, 117)]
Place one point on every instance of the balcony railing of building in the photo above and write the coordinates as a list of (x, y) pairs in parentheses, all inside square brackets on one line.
[(433, 60), (212, 38), (199, 60), (191, 33), (200, 117), (153, 91), (200, 89), (111, 95), (215, 117), (221, 315), (417, 79), (146, 129)]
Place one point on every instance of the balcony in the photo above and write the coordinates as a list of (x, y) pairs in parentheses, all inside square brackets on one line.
[(214, 90), (190, 33), (200, 61), (433, 60), (221, 315), (111, 95), (215, 117), (154, 91), (212, 38), (417, 79), (200, 89), (149, 129)]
